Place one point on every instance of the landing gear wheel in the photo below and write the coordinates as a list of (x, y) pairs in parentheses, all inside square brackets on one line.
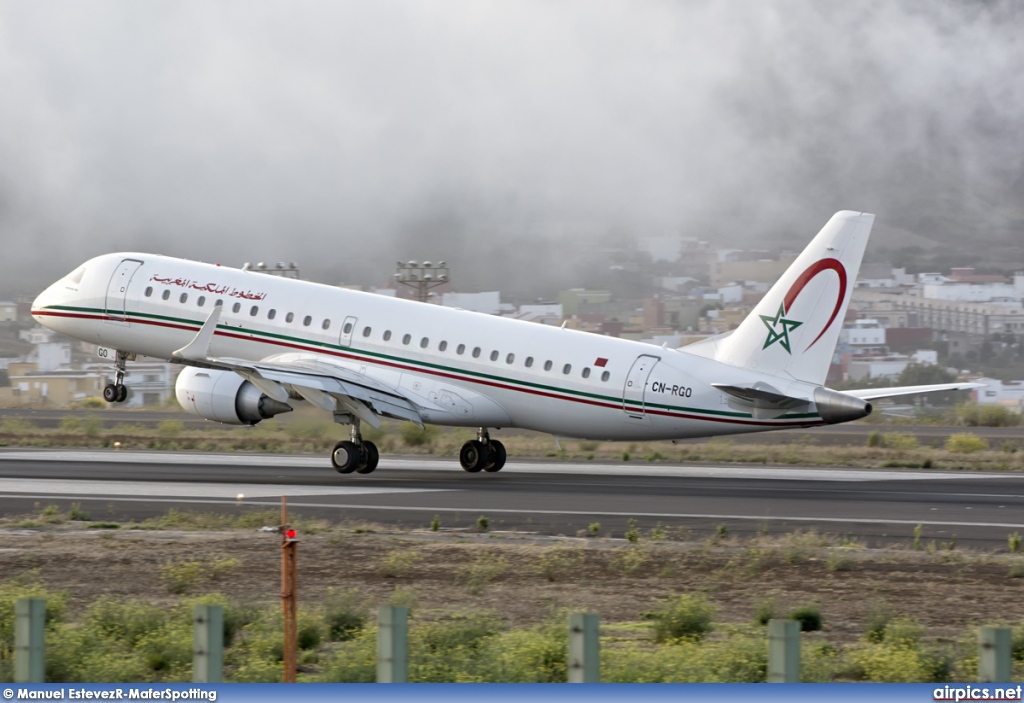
[(474, 456), (347, 457), (497, 451), (372, 457), (110, 393), (122, 393)]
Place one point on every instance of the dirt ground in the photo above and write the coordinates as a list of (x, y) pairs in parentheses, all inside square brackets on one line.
[(526, 579)]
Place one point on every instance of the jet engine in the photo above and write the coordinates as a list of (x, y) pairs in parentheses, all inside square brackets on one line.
[(224, 396), (834, 406)]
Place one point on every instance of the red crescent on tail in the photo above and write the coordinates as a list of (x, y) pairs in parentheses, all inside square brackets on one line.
[(804, 278)]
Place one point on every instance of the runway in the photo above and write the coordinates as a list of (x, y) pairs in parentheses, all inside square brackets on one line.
[(875, 506)]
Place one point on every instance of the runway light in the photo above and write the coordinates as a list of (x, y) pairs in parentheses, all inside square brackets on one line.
[(290, 535), (240, 497)]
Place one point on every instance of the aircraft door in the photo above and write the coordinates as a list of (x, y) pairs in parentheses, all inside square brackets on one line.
[(636, 385), (117, 289), (348, 328)]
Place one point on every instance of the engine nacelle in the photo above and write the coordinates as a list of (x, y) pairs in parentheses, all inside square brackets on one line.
[(835, 406), (224, 396)]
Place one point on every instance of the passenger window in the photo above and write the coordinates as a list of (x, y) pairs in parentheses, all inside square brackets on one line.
[(476, 352), (366, 331), (236, 307), (387, 335), (547, 365), (254, 311), (326, 324), (201, 301), (183, 297), (494, 355), (406, 338), (166, 294), (307, 320), (586, 372), (149, 291), (567, 368), (348, 328), (424, 342), (529, 362), (442, 346), (271, 314), (460, 349), (219, 303), (289, 317), (510, 358), (605, 376)]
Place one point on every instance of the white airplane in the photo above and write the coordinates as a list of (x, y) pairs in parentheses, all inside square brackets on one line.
[(254, 344)]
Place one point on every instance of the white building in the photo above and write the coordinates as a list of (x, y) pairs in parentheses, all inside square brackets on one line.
[(488, 302), (996, 392), (888, 366), (973, 292), (863, 333)]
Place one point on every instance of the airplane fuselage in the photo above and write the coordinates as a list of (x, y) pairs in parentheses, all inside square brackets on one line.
[(468, 369)]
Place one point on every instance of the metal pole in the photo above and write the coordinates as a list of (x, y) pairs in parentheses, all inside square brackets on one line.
[(584, 648), (392, 644), (288, 598), (783, 651), (994, 654), (208, 644), (29, 640)]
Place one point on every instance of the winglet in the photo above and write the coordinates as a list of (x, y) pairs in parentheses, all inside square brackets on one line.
[(199, 348)]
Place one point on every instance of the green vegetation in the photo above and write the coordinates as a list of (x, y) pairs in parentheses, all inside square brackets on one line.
[(966, 443), (809, 617), (483, 570), (632, 535), (683, 616)]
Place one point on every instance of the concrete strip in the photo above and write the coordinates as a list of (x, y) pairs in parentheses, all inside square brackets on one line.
[(160, 489), (433, 464)]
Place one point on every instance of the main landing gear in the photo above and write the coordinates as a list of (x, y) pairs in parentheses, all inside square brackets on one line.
[(482, 454), (355, 454), (117, 392)]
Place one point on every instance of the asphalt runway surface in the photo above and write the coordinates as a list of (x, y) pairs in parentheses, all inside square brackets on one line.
[(878, 507)]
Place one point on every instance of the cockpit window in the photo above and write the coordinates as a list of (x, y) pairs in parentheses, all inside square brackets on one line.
[(76, 275)]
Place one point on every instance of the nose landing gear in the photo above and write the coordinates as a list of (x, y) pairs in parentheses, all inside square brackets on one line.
[(482, 454), (117, 392)]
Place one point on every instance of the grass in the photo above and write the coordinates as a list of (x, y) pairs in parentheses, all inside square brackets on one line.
[(307, 432), (700, 634)]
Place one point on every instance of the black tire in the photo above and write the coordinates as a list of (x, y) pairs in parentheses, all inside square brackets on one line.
[(372, 457), (122, 393), (346, 457), (473, 456), (110, 393), (497, 451)]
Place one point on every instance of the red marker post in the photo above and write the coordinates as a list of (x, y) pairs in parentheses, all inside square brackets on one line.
[(289, 600)]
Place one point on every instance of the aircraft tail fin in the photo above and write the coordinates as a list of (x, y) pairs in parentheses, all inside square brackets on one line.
[(793, 331)]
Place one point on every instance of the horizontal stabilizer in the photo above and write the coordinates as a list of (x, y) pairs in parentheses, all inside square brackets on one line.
[(873, 393), (767, 401)]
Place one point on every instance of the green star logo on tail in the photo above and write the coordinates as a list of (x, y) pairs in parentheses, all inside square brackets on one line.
[(779, 328)]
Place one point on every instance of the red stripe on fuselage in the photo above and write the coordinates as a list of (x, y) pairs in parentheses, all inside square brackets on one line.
[(432, 372)]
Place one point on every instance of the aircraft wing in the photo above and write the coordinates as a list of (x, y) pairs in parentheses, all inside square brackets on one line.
[(331, 387), (334, 389), (873, 393)]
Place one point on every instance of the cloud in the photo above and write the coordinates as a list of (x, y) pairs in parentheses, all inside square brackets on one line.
[(344, 135)]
